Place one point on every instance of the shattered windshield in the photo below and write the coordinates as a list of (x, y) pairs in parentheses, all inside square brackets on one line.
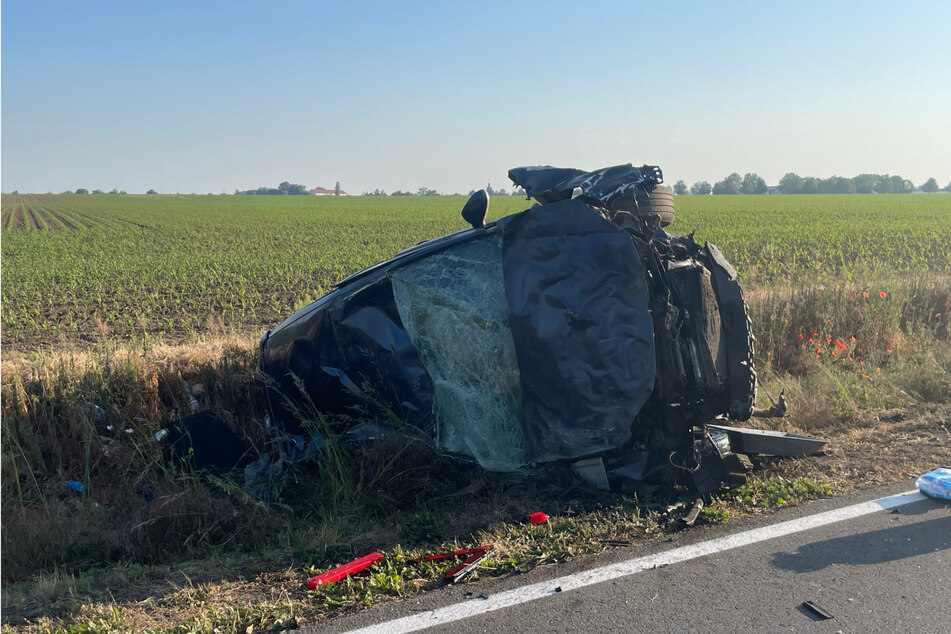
[(454, 309)]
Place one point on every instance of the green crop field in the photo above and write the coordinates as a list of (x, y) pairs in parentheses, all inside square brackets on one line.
[(81, 268)]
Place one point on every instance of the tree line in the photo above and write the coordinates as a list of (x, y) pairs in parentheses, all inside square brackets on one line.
[(792, 183), (284, 189)]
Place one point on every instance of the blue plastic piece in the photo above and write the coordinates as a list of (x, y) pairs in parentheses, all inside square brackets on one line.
[(76, 486), (936, 483)]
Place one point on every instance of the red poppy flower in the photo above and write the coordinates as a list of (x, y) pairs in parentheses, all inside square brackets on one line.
[(864, 293), (816, 334), (855, 294), (811, 340), (865, 376), (853, 339), (883, 294), (839, 345), (818, 349), (914, 341), (800, 336), (828, 339), (888, 350)]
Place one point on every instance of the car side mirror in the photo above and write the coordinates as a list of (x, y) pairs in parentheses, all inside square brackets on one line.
[(476, 209)]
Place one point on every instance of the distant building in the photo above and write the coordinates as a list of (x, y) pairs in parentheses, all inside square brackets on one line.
[(320, 191)]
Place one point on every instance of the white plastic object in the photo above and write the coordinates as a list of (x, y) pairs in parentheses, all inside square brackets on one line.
[(936, 483)]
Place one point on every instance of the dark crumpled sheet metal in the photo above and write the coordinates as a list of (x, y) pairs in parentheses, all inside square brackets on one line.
[(583, 336), (578, 312), (601, 187), (353, 357)]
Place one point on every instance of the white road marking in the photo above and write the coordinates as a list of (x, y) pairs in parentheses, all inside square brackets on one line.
[(577, 580)]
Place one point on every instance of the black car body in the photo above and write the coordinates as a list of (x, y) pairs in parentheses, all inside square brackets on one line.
[(577, 331)]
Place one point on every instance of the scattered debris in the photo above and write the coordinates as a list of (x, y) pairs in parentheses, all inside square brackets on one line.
[(814, 608), (332, 576), (936, 484), (691, 517), (75, 485), (773, 443), (205, 441), (537, 518), (474, 557)]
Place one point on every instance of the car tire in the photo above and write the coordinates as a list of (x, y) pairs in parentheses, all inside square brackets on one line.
[(658, 201)]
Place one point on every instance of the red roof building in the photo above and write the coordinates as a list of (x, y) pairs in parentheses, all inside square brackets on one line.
[(320, 191)]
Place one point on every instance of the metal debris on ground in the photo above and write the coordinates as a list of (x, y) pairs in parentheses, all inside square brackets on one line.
[(814, 608), (474, 557)]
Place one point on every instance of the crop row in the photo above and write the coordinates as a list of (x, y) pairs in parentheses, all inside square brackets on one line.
[(177, 265)]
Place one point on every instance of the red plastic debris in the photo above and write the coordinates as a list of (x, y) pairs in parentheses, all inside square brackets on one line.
[(344, 571), (474, 557), (538, 518)]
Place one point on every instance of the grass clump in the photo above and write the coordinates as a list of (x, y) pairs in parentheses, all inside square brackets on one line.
[(774, 493)]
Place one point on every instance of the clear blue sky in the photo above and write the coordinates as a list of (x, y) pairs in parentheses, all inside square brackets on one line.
[(214, 96)]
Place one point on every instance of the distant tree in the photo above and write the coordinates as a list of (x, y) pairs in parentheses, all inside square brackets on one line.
[(680, 188), (701, 188), (930, 186), (337, 189), (810, 185), (947, 187), (729, 185), (82, 191), (901, 185), (836, 185), (791, 183), (375, 192), (98, 191), (151, 191), (68, 191), (401, 193), (425, 191), (753, 184), (866, 183)]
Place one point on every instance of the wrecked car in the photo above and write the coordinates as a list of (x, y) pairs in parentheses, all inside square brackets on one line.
[(575, 334)]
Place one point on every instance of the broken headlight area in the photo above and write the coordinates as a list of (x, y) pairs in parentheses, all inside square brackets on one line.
[(577, 334)]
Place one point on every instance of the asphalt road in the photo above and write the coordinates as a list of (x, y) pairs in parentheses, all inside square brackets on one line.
[(883, 571)]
